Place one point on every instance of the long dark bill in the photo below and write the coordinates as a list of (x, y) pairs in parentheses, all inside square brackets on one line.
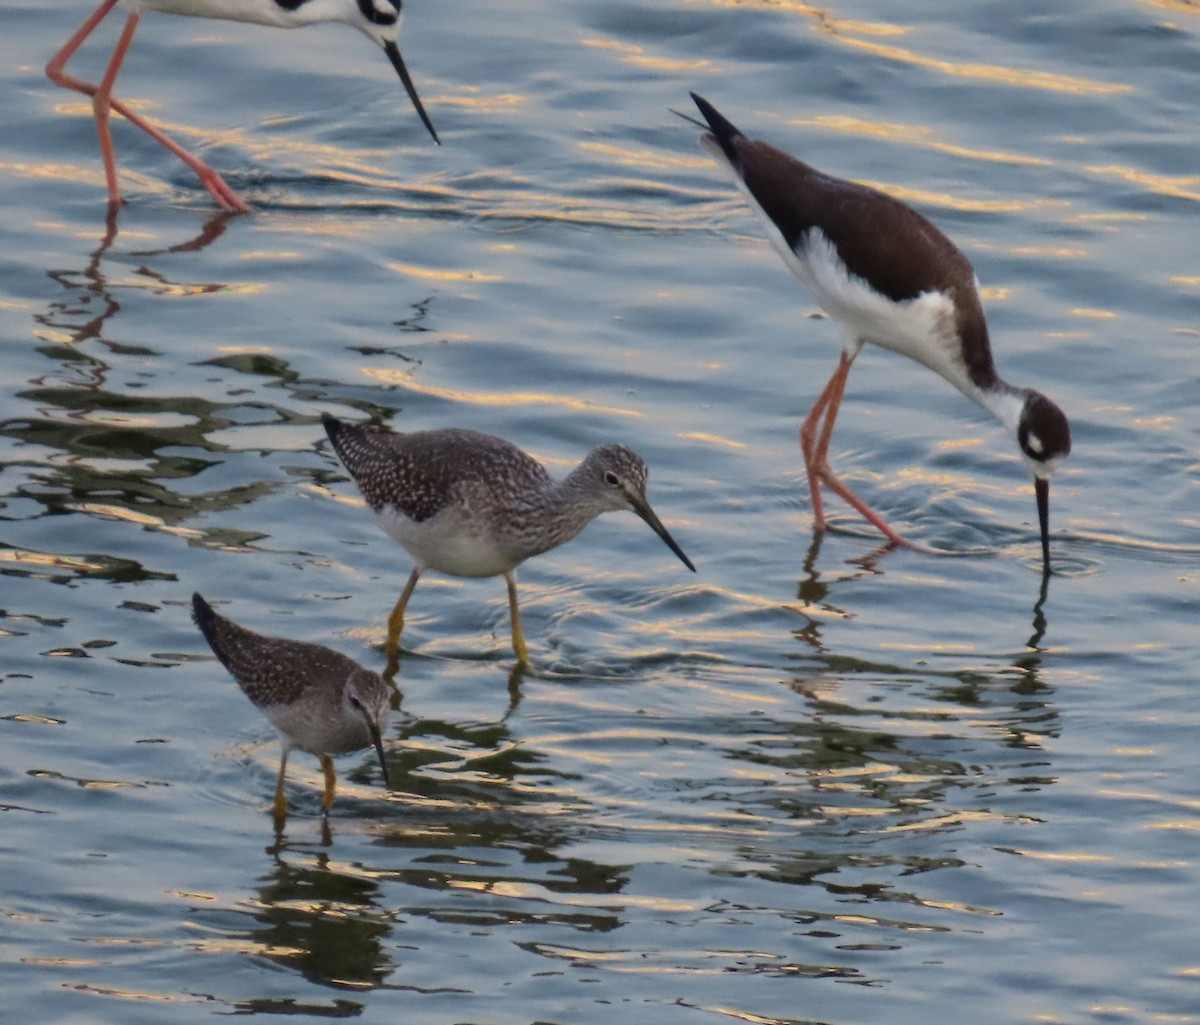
[(377, 740), (393, 52), (1041, 488), (647, 514)]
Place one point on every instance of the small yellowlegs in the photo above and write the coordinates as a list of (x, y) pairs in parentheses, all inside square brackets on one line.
[(473, 505), (894, 279), (319, 700), (379, 19)]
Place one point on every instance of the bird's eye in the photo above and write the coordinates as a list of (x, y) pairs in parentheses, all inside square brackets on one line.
[(611, 479), (1031, 445)]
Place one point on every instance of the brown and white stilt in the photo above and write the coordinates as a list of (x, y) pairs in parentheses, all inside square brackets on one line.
[(895, 280)]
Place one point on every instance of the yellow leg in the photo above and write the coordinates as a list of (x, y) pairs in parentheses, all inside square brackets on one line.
[(280, 799), (330, 782), (396, 624), (515, 615)]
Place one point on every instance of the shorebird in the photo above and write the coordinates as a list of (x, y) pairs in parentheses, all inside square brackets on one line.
[(379, 19), (894, 279), (319, 700), (473, 505)]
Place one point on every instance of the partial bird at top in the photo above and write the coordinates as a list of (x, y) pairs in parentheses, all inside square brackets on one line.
[(378, 19), (894, 279)]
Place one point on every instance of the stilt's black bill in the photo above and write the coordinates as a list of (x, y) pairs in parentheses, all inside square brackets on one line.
[(1041, 488), (393, 52), (647, 514)]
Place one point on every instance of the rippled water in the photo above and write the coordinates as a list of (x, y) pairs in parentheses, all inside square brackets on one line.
[(815, 782)]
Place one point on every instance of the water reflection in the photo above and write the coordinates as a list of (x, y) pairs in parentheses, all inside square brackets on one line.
[(93, 298), (330, 926), (111, 450), (477, 844)]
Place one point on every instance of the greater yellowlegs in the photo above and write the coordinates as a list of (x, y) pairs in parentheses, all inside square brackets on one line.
[(318, 699), (473, 505), (893, 279), (378, 19)]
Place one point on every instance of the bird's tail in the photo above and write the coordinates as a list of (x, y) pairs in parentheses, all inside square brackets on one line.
[(223, 635), (722, 131)]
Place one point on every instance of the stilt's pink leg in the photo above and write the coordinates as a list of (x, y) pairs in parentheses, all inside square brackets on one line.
[(103, 101), (816, 457), (809, 439), (102, 106)]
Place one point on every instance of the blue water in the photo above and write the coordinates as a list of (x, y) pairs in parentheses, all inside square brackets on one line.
[(818, 781)]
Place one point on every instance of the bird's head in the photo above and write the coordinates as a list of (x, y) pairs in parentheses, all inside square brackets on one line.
[(380, 19), (617, 477), (1043, 434), (367, 699), (1044, 437)]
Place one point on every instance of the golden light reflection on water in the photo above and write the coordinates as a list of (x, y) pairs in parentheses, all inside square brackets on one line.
[(401, 379), (712, 439), (1022, 77), (27, 558), (117, 512), (494, 102), (951, 819), (1066, 856), (1179, 186), (646, 159), (1061, 251), (1178, 6), (637, 56), (845, 32), (918, 134), (412, 270), (953, 202), (131, 994), (535, 891)]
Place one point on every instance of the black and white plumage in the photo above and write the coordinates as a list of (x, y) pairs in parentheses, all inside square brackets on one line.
[(473, 505), (377, 19), (894, 279), (318, 699)]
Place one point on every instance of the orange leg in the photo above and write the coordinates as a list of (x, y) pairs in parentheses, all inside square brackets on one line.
[(280, 805), (103, 102), (816, 456), (330, 782)]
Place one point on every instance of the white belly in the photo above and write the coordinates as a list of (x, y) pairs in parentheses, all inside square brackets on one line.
[(255, 12), (923, 329), (447, 544)]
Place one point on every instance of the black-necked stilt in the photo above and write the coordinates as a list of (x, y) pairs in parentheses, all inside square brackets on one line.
[(894, 279), (473, 505), (379, 19), (318, 699)]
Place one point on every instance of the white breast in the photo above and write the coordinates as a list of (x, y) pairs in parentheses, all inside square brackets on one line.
[(924, 328), (447, 543)]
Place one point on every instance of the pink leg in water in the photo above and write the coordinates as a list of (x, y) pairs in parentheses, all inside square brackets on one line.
[(815, 435), (103, 102)]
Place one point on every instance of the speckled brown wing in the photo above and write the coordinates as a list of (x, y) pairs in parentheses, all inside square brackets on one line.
[(270, 670), (422, 472)]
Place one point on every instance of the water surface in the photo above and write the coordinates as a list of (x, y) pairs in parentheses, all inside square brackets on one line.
[(816, 782)]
